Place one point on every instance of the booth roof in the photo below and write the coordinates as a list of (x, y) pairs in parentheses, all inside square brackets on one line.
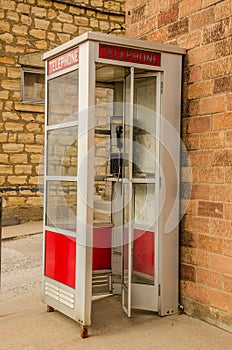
[(116, 40)]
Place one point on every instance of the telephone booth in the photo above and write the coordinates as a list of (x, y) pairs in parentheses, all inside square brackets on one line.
[(111, 178)]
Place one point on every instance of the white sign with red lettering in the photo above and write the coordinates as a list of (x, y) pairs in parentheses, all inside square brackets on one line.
[(66, 60)]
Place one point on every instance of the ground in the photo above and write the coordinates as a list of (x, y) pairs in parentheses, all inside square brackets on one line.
[(25, 324)]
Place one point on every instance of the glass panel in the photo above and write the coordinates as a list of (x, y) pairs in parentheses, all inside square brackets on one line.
[(33, 89), (144, 127), (102, 190), (109, 94), (109, 73), (62, 152), (144, 206), (143, 245), (61, 204), (104, 98), (63, 98)]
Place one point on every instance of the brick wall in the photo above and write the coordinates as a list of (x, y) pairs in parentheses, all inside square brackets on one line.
[(29, 28), (204, 28)]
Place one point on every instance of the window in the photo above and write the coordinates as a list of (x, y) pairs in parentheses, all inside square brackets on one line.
[(33, 85)]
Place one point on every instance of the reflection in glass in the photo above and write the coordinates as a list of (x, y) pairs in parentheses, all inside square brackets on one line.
[(102, 190), (62, 152), (144, 206), (144, 141), (63, 98), (61, 204), (143, 244), (34, 83)]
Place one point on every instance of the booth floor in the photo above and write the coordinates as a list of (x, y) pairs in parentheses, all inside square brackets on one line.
[(25, 324)]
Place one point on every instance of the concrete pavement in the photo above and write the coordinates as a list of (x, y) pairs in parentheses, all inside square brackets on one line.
[(22, 230), (25, 324), (31, 328)]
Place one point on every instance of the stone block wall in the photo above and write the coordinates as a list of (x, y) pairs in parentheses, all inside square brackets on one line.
[(28, 28), (204, 28)]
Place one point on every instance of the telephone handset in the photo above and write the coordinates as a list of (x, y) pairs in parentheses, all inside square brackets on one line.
[(116, 145), (119, 132)]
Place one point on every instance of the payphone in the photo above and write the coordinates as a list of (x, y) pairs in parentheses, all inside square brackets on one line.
[(116, 145), (112, 153)]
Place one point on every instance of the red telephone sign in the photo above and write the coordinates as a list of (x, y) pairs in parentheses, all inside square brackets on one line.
[(68, 59), (127, 54)]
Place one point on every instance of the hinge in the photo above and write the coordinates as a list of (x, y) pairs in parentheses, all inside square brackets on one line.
[(160, 182), (161, 87), (159, 290)]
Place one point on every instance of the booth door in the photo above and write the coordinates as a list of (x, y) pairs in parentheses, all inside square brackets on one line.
[(141, 192)]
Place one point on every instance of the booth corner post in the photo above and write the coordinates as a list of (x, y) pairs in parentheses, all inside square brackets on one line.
[(111, 184)]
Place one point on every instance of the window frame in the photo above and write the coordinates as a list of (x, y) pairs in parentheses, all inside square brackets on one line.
[(33, 71)]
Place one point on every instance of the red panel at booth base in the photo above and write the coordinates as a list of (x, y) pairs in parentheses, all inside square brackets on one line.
[(144, 252), (60, 258), (60, 254), (102, 248)]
